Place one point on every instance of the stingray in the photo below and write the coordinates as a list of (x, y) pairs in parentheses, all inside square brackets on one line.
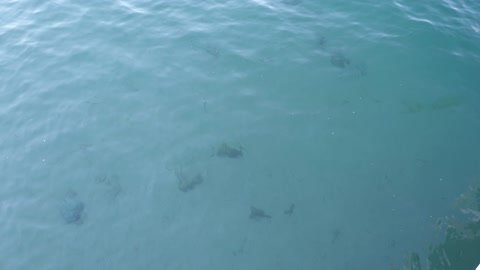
[(321, 41), (290, 210), (72, 208), (211, 50), (338, 59), (258, 214), (186, 183), (361, 67), (226, 150)]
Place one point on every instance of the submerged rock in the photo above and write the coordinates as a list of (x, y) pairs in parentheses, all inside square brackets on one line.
[(73, 208)]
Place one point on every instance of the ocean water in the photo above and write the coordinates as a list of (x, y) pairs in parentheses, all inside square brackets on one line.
[(361, 117)]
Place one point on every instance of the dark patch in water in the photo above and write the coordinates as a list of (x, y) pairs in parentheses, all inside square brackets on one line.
[(226, 150), (361, 68), (186, 183), (211, 50), (290, 210), (72, 209), (339, 60), (321, 41), (258, 214)]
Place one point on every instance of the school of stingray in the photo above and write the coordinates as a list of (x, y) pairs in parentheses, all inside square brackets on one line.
[(73, 208), (334, 54)]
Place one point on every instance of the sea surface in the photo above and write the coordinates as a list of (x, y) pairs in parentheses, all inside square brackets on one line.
[(247, 134)]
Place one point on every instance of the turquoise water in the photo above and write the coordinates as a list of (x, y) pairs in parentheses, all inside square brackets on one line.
[(364, 115)]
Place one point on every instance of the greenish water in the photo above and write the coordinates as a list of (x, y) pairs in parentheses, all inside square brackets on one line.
[(363, 115)]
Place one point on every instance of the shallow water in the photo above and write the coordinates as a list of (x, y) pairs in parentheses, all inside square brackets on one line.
[(364, 115)]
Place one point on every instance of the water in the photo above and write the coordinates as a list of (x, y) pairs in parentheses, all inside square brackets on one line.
[(363, 115)]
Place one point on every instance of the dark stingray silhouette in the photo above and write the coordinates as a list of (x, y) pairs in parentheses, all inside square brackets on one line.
[(258, 214)]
